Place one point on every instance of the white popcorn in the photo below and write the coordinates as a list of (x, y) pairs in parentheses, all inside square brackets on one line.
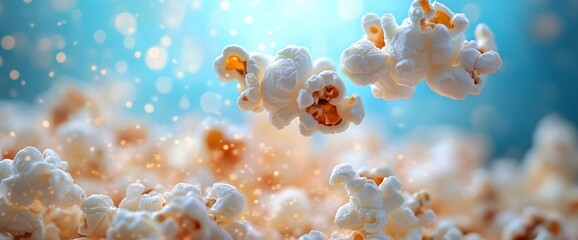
[(19, 222), (248, 69), (151, 202), (458, 81), (98, 213), (225, 202), (324, 107), (485, 38), (535, 223), (131, 201), (290, 211), (38, 177), (368, 204), (182, 190), (371, 24), (284, 77), (363, 63), (388, 89), (133, 225), (322, 64), (409, 220), (5, 169), (188, 218), (314, 235)]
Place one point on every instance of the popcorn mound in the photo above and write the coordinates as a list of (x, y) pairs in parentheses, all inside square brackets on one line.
[(211, 181)]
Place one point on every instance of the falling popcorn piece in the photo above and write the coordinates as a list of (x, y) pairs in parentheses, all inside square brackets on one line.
[(363, 63), (133, 225), (42, 178), (225, 202), (20, 222), (323, 105)]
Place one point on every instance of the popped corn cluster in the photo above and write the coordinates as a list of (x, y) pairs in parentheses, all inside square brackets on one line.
[(289, 85), (122, 177), (428, 44)]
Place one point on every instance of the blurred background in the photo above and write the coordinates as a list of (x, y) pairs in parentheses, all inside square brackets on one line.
[(162, 52)]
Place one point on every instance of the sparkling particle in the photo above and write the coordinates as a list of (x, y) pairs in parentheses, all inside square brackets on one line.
[(14, 74), (211, 102), (547, 27), (8, 42), (44, 44), (166, 41), (137, 54), (164, 84), (225, 5), (233, 32), (125, 23), (45, 123), (349, 10), (60, 57), (149, 108), (156, 58), (248, 20), (396, 111), (99, 36), (213, 32)]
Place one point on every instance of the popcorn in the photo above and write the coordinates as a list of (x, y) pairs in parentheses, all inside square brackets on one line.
[(372, 28), (19, 222), (42, 178), (314, 235), (151, 202), (5, 169), (242, 230), (134, 192), (188, 218), (133, 225), (324, 107), (290, 211), (536, 224), (363, 63), (182, 190), (485, 38), (284, 77), (369, 204), (409, 220), (236, 63), (225, 202), (98, 213)]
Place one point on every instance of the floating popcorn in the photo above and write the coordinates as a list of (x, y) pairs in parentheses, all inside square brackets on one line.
[(98, 213), (242, 230), (324, 107), (536, 224), (409, 220), (284, 77), (314, 235), (131, 201), (42, 178), (225, 202), (363, 63), (182, 190), (247, 69)]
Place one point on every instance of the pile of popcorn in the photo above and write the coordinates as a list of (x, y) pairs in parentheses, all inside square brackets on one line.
[(106, 174), (391, 58)]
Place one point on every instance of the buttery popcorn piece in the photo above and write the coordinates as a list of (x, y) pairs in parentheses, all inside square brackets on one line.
[(42, 178), (363, 63), (324, 107), (19, 222), (290, 211)]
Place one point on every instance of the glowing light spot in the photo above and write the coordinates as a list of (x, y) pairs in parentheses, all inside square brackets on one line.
[(262, 46), (196, 4), (156, 58), (63, 5), (248, 20), (8, 42), (61, 57), (213, 32), (233, 32), (45, 123), (137, 54), (547, 27), (125, 23), (149, 108), (225, 5), (396, 111), (211, 102), (93, 68), (14, 74), (128, 104), (99, 36), (164, 84), (44, 44), (349, 10), (166, 41)]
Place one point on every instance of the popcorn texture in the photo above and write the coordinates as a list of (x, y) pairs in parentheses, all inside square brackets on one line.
[(42, 178)]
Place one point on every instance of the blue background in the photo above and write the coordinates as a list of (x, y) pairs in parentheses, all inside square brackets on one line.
[(535, 39)]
